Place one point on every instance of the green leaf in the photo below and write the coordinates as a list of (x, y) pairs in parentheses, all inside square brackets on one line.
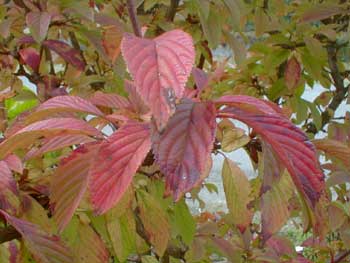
[(211, 26), (238, 47), (122, 233), (315, 46), (300, 107), (261, 21), (316, 115), (35, 213), (278, 89), (182, 222), (155, 221), (235, 7), (237, 190), (149, 259), (148, 4), (24, 101), (233, 138), (89, 247), (274, 206)]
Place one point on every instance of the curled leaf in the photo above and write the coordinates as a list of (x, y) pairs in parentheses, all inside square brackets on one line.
[(289, 143)]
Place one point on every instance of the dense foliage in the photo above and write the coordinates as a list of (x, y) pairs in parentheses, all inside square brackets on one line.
[(112, 111)]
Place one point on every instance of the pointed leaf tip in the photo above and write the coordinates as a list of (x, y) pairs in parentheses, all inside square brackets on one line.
[(291, 145)]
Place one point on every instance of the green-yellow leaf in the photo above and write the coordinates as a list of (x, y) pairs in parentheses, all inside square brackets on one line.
[(233, 139), (274, 206), (122, 233), (237, 190), (155, 221)]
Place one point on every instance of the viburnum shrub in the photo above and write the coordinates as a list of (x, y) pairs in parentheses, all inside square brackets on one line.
[(102, 175)]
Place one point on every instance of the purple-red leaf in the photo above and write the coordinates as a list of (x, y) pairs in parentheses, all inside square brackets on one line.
[(289, 143), (116, 163), (64, 104), (135, 99), (200, 78), (31, 57), (69, 183), (109, 100), (160, 68), (38, 23), (69, 54), (44, 247), (58, 142), (14, 163), (183, 148), (47, 128), (8, 188)]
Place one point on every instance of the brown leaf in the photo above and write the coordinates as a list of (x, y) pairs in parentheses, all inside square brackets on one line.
[(292, 73)]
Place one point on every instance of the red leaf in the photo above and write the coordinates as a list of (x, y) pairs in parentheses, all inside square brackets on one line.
[(14, 163), (111, 38), (48, 128), (8, 188), (109, 100), (25, 40), (183, 148), (68, 53), (64, 104), (17, 124), (31, 57), (289, 143), (137, 102), (292, 73), (44, 247), (200, 78), (160, 68), (38, 23), (69, 183), (58, 142), (116, 163)]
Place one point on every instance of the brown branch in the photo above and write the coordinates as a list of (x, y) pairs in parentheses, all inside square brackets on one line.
[(340, 256), (133, 17), (3, 117), (337, 78), (340, 88), (76, 45), (8, 233), (174, 4)]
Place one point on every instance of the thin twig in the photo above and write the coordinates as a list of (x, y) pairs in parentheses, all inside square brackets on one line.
[(8, 233), (172, 10), (133, 17)]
